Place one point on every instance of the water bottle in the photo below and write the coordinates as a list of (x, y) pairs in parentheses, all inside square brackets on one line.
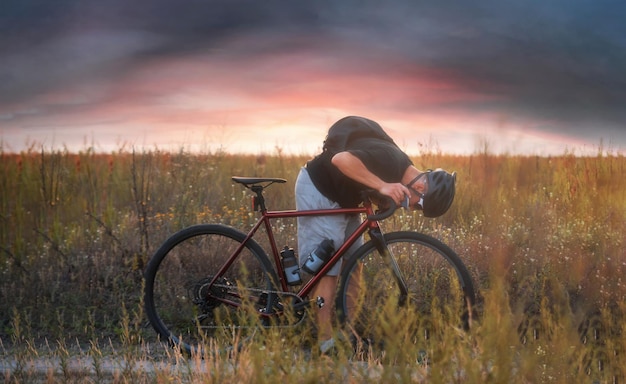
[(290, 265), (319, 257)]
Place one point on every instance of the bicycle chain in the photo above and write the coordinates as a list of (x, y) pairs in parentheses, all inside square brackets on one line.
[(261, 291)]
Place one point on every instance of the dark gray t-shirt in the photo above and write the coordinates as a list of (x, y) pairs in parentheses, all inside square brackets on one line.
[(382, 158)]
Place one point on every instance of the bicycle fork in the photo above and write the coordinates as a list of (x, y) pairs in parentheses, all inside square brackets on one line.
[(381, 245)]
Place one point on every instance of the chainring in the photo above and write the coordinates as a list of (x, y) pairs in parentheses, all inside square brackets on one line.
[(207, 298), (286, 310)]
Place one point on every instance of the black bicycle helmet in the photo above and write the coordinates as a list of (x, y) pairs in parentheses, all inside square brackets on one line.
[(440, 192)]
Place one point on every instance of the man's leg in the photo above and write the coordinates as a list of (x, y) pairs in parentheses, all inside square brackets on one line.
[(326, 288), (355, 291)]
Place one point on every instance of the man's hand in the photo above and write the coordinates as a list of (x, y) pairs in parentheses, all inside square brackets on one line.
[(396, 191), (354, 168)]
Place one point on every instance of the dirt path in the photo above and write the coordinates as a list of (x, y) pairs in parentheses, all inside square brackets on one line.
[(105, 369), (117, 369)]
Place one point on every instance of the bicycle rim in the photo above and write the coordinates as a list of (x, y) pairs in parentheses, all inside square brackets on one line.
[(440, 294), (190, 314)]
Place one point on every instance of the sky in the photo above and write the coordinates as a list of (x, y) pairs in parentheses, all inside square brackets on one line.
[(518, 77)]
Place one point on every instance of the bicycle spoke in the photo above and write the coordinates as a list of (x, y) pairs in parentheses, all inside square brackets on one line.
[(185, 306), (376, 312)]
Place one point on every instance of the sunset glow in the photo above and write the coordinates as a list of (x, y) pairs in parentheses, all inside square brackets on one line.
[(282, 86)]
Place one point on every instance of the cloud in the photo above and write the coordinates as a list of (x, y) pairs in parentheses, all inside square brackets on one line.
[(557, 64)]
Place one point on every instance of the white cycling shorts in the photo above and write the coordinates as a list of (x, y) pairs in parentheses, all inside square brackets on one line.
[(312, 230)]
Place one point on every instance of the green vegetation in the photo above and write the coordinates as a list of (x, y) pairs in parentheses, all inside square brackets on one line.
[(543, 238)]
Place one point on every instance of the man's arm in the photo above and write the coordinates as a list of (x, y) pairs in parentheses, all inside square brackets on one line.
[(354, 168)]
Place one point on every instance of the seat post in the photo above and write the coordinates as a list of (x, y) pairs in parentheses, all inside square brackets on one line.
[(259, 200)]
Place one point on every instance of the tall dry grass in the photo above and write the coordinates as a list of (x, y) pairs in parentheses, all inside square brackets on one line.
[(543, 238)]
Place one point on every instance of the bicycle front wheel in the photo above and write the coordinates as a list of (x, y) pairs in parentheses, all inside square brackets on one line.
[(185, 309), (440, 293)]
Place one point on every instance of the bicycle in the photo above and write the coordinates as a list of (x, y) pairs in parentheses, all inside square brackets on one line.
[(209, 280)]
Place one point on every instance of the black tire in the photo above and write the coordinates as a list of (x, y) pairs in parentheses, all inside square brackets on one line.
[(441, 294), (176, 288)]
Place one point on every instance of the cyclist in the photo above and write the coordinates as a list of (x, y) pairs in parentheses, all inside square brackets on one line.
[(358, 155)]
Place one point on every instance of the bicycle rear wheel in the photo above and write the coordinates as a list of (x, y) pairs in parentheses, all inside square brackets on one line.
[(189, 313), (440, 294)]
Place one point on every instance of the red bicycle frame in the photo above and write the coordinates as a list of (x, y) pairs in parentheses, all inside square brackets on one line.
[(370, 224), (268, 216)]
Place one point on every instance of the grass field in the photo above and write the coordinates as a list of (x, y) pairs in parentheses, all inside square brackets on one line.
[(544, 239)]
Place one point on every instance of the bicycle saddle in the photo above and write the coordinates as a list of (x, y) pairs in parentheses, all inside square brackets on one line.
[(257, 180)]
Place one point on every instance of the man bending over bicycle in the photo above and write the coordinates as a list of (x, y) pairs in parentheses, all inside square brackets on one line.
[(358, 155)]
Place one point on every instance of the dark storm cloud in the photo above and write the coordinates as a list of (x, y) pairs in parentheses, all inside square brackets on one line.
[(45, 45), (557, 60), (561, 60)]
